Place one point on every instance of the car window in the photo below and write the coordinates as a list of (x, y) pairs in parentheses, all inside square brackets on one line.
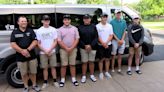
[(6, 22), (125, 16)]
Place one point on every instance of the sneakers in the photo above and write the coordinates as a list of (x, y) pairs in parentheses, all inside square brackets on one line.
[(107, 74), (101, 76), (36, 88), (56, 84), (113, 70), (129, 72), (93, 78), (26, 90), (83, 79), (45, 85)]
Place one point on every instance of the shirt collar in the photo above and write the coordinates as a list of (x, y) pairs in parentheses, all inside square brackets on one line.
[(67, 26)]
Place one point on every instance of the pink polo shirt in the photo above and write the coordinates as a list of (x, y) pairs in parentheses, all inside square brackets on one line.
[(68, 34)]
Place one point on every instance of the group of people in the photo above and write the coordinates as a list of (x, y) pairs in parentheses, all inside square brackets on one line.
[(104, 39)]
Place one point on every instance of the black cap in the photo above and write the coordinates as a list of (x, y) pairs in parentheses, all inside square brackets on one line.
[(45, 17), (104, 15), (66, 17), (86, 16)]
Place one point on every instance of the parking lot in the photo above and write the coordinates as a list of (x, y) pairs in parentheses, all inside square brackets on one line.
[(150, 81)]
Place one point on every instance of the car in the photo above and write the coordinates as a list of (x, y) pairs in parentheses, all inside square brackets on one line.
[(10, 13)]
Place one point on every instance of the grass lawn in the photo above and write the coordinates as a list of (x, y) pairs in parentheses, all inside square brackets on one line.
[(154, 25)]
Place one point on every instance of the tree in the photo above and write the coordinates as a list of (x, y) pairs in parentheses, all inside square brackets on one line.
[(92, 1)]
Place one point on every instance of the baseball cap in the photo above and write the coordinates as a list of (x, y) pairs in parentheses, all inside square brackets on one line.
[(86, 16), (45, 17), (135, 17), (66, 16), (117, 11), (104, 15)]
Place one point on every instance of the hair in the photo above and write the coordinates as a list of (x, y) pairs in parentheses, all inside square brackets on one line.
[(21, 17)]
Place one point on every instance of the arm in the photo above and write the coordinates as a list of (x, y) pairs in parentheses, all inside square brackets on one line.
[(16, 47), (81, 43), (75, 43), (94, 42), (33, 45), (142, 36), (130, 35), (110, 38)]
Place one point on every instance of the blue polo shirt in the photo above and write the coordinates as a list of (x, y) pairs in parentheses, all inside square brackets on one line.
[(119, 26)]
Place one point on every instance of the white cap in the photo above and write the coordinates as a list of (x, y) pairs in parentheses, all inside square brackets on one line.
[(117, 11), (135, 16)]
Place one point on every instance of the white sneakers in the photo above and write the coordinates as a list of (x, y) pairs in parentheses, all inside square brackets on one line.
[(45, 85), (92, 77), (107, 75)]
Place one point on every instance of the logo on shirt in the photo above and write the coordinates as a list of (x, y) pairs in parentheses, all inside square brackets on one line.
[(136, 30), (19, 35), (28, 34)]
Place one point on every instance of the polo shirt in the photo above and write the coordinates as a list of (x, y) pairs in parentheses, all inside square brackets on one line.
[(68, 34), (119, 27), (104, 31), (23, 40)]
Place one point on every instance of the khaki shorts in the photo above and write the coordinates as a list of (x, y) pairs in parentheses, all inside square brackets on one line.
[(68, 59), (87, 56), (46, 61), (28, 67), (132, 50)]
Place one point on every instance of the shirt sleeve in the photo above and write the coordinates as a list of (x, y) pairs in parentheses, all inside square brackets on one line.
[(33, 35), (59, 35), (77, 34), (98, 30), (125, 26), (142, 36), (38, 35), (111, 32), (12, 37), (55, 34), (130, 34)]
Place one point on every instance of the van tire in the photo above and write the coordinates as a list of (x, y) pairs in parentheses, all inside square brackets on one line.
[(13, 76)]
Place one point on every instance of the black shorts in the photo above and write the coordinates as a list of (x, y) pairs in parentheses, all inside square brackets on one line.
[(132, 45), (104, 53)]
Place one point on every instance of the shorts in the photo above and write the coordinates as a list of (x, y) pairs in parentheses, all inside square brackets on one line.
[(46, 61), (116, 48), (104, 53), (68, 59), (132, 45), (87, 56), (28, 67), (132, 50)]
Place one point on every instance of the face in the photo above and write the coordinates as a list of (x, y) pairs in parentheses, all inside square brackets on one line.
[(66, 21), (137, 20), (104, 19), (46, 22), (22, 22), (87, 20), (118, 15)]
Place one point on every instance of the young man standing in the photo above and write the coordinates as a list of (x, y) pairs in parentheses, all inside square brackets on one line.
[(136, 35), (68, 38), (88, 42), (47, 41), (118, 43), (105, 36), (23, 40)]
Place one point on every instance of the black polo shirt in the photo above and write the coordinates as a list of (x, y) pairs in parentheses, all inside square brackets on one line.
[(23, 40)]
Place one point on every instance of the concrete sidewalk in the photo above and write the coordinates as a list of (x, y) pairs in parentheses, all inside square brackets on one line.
[(152, 80)]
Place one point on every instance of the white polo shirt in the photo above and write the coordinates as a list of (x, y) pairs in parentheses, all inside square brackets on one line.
[(104, 31), (47, 37)]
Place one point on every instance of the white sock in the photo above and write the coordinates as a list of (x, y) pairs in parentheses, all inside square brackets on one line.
[(106, 72), (84, 76), (63, 80), (73, 79), (92, 76), (129, 68), (137, 68)]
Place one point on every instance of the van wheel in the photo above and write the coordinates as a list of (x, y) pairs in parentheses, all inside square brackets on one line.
[(13, 76)]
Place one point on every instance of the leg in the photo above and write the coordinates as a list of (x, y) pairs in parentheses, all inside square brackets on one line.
[(113, 61), (101, 65), (130, 58), (91, 67), (63, 71), (114, 52), (24, 72), (73, 70), (137, 56), (53, 72), (84, 69), (107, 63), (33, 71), (120, 52)]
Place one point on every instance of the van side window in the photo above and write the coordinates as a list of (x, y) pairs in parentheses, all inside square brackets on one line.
[(6, 22), (34, 20), (77, 15), (125, 16)]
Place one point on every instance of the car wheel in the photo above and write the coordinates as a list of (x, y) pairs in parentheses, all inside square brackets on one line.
[(13, 76)]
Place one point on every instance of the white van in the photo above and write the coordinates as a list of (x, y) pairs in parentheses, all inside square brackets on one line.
[(8, 21)]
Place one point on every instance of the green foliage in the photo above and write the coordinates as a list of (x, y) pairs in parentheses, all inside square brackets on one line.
[(150, 8), (92, 1)]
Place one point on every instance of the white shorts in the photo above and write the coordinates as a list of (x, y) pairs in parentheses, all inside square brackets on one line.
[(115, 47)]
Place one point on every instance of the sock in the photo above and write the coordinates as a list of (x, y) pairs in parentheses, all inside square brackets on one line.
[(73, 79), (54, 80), (106, 73), (45, 81), (92, 76), (137, 68), (84, 76), (129, 68), (63, 80)]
